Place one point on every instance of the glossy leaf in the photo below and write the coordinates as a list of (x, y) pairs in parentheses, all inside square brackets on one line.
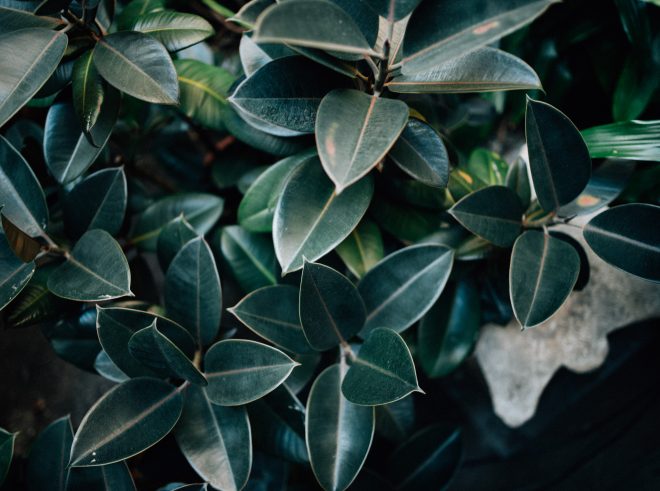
[(12, 19), (35, 304), (46, 468), (493, 213), (420, 153), (199, 209), (628, 238), (282, 97), (257, 207), (448, 332), (6, 452), (138, 65), (338, 433), (542, 275), (108, 369), (311, 219), (362, 249), (585, 268), (155, 350), (29, 57), (558, 156), (304, 373), (393, 9), (203, 92), (193, 296), (249, 13), (22, 199), (136, 8), (250, 256), (68, 150), (402, 287), (316, 24), (95, 270), (97, 202), (272, 313), (111, 477), (637, 84), (172, 238), (383, 371), (127, 420), (439, 32), (175, 30), (483, 70), (517, 179), (116, 326), (23, 246), (88, 91), (354, 131), (14, 273), (254, 56), (240, 371), (636, 140), (215, 440), (396, 421), (331, 310)]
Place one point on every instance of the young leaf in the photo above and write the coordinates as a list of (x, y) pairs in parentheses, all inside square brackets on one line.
[(193, 296), (126, 421), (483, 70), (6, 452), (316, 24), (338, 433), (251, 257), (402, 287), (138, 65), (493, 213), (383, 371), (628, 238), (97, 202), (282, 97), (542, 275), (21, 197), (311, 219), (95, 270), (558, 156), (331, 310), (440, 31), (88, 91), (29, 57), (172, 238), (449, 331), (393, 9), (24, 247), (46, 468), (203, 92), (175, 30), (420, 153), (14, 273), (272, 313), (241, 371), (215, 440), (199, 209), (354, 131), (362, 249)]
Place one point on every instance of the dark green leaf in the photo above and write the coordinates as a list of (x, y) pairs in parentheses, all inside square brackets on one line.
[(440, 31), (493, 213), (383, 371), (14, 19), (126, 421), (138, 65), (585, 267), (449, 331), (404, 286), (558, 157), (29, 57), (250, 256), (311, 219), (628, 237), (172, 238), (272, 313), (338, 433), (111, 477), (193, 296), (95, 270), (634, 18), (136, 8), (483, 70), (362, 249), (636, 140), (35, 304), (21, 197), (215, 440), (241, 371), (393, 9), (6, 452), (331, 310), (199, 209), (542, 275), (108, 369), (97, 202), (88, 91), (303, 373), (51, 6), (637, 84), (354, 132), (175, 30), (14, 273), (254, 56), (282, 97), (248, 14), (46, 468), (517, 179), (396, 421), (421, 154)]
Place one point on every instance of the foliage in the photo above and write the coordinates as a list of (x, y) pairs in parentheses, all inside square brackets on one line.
[(140, 205)]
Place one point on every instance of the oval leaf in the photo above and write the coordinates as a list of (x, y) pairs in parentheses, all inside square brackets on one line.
[(175, 30), (126, 421), (241, 371), (88, 91), (251, 257), (393, 9), (111, 477), (48, 457), (362, 249), (172, 238)]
